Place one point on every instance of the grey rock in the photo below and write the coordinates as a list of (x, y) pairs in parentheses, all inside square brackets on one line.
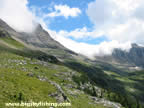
[(105, 102), (30, 74), (60, 91), (42, 78)]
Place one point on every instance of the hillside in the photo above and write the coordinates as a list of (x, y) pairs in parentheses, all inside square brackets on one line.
[(26, 75), (40, 40), (30, 72)]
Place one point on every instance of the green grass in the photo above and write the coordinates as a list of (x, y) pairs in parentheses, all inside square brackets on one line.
[(82, 101), (16, 85), (12, 42), (14, 81)]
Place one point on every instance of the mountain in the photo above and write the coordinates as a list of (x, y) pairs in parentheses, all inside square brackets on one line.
[(33, 66), (134, 56), (39, 39), (131, 60)]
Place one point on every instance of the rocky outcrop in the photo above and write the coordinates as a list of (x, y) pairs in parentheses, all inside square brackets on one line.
[(105, 102), (60, 95)]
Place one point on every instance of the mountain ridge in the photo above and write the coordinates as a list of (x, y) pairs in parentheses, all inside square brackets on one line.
[(39, 39)]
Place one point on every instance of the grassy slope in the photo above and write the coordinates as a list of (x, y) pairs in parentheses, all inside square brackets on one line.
[(16, 85), (133, 83), (125, 88), (16, 64)]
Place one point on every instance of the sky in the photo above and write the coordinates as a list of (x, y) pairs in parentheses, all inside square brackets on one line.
[(89, 27)]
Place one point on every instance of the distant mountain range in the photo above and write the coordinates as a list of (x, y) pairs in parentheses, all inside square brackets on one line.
[(134, 56), (126, 60)]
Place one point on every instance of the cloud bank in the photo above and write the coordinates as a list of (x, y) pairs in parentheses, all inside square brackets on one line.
[(104, 48), (17, 15), (121, 20)]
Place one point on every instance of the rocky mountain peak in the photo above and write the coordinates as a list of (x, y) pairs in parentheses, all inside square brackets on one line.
[(134, 45), (40, 38), (39, 28)]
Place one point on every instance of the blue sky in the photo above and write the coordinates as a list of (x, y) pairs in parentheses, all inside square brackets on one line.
[(68, 24)]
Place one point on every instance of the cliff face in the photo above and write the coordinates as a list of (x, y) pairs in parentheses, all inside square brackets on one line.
[(40, 38), (134, 56)]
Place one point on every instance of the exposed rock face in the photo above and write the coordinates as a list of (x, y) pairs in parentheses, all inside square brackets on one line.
[(3, 32), (134, 56), (132, 60), (40, 38), (3, 25)]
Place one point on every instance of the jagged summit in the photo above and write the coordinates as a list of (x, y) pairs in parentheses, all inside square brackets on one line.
[(39, 27), (134, 56), (134, 45), (40, 38)]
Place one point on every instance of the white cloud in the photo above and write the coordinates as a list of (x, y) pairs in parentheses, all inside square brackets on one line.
[(120, 20), (104, 48), (17, 15), (80, 33), (99, 11), (64, 10), (132, 31)]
